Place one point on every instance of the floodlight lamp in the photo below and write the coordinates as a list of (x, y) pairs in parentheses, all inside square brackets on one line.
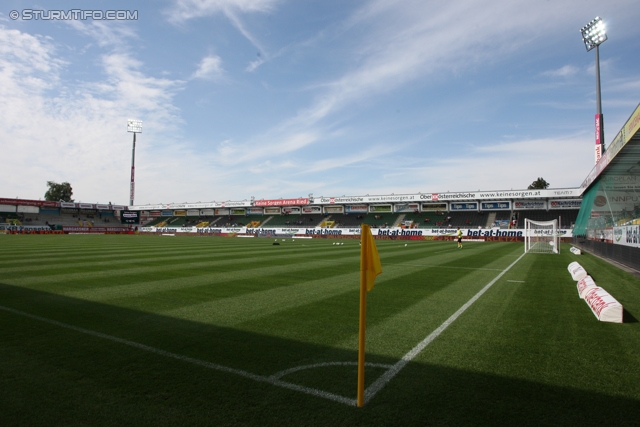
[(134, 126), (593, 34)]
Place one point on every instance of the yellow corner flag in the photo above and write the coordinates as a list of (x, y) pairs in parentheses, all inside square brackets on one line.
[(370, 267)]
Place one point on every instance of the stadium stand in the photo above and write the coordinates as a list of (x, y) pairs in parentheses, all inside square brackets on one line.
[(467, 219), (191, 221), (501, 217), (311, 220), (348, 220), (566, 217), (287, 221), (381, 220), (232, 220), (213, 221), (176, 221), (156, 222), (435, 218), (261, 220), (54, 219)]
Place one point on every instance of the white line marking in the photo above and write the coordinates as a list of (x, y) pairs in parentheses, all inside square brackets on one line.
[(378, 384), (214, 366), (516, 281), (281, 374)]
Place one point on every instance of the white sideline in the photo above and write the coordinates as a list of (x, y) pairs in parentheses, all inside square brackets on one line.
[(378, 384), (274, 379), (214, 366)]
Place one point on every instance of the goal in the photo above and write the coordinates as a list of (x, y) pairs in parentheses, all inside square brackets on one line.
[(541, 237)]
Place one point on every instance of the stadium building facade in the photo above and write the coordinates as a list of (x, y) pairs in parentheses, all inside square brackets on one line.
[(608, 224), (483, 214)]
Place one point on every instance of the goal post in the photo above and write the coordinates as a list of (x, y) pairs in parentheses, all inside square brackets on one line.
[(541, 237)]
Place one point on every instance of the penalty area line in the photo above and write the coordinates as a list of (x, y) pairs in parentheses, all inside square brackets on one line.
[(273, 380), (378, 384)]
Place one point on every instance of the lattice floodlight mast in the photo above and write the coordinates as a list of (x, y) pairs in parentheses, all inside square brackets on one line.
[(593, 35), (134, 126), (541, 237)]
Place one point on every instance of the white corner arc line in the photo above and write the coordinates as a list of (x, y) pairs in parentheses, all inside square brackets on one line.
[(214, 366), (281, 374), (378, 384)]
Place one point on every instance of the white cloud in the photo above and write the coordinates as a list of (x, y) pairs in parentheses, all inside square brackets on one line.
[(78, 133), (24, 56), (114, 34), (565, 71), (563, 161), (253, 65), (337, 163), (230, 153), (426, 44), (210, 68), (184, 10)]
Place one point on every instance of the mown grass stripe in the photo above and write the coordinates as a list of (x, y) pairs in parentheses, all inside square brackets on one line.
[(112, 270), (242, 308), (374, 388), (165, 260), (234, 310), (139, 288), (444, 266)]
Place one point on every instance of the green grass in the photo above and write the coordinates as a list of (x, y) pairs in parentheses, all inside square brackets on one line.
[(84, 322)]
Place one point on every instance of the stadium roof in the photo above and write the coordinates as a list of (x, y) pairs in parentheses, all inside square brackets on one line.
[(620, 164)]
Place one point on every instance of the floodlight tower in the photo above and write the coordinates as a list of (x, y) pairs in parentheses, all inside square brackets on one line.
[(134, 126), (593, 35)]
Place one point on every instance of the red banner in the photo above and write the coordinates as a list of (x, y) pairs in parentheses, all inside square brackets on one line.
[(76, 229), (282, 202), (23, 202)]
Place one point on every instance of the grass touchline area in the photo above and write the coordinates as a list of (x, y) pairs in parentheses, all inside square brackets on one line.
[(370, 392), (483, 335)]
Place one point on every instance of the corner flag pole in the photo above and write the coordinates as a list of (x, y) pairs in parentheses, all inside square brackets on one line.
[(370, 267), (361, 337)]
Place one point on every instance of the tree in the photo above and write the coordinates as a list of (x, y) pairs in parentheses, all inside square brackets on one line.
[(538, 184), (58, 192)]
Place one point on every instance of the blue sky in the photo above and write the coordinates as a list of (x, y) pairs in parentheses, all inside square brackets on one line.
[(282, 98)]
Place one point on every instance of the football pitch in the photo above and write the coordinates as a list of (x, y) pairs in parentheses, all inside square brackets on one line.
[(169, 331)]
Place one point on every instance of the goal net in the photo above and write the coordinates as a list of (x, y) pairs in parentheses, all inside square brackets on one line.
[(541, 237)]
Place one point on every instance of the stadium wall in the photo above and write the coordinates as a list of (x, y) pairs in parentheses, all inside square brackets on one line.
[(626, 255), (383, 233)]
